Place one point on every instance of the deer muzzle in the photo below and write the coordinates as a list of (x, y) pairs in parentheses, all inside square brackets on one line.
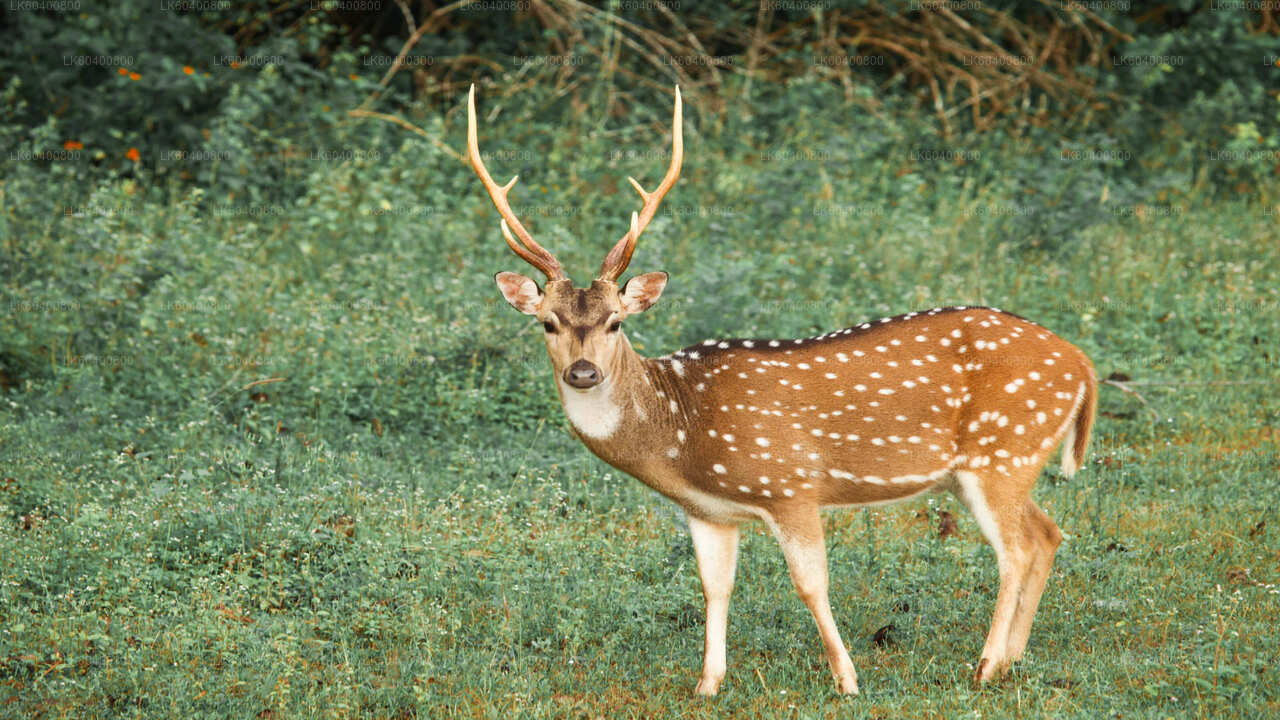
[(583, 375)]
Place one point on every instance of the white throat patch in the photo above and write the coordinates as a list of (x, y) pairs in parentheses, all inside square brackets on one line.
[(593, 412)]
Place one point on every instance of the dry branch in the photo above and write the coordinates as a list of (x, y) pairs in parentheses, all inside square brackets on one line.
[(983, 61)]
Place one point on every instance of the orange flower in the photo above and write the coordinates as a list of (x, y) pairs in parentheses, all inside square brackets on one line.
[(188, 70), (133, 154), (354, 76), (73, 145), (234, 65), (123, 71), (134, 76)]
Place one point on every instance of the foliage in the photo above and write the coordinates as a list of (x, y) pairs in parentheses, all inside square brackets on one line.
[(136, 89), (272, 445), (307, 463), (190, 94), (1203, 98)]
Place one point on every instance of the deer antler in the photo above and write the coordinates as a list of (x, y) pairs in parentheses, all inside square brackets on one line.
[(620, 256), (527, 248)]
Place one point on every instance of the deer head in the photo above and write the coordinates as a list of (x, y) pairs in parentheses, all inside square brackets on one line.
[(582, 326)]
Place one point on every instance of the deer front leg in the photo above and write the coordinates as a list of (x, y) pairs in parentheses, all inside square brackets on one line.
[(716, 547), (800, 535)]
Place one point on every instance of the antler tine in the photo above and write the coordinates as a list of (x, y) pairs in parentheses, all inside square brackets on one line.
[(526, 248), (620, 256)]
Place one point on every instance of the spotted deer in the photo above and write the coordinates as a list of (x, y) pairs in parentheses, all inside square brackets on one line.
[(967, 399)]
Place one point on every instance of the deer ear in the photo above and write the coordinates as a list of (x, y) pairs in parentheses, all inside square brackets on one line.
[(642, 291), (523, 293)]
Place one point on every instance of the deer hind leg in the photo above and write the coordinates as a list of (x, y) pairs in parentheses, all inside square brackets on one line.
[(1042, 539), (1001, 519), (800, 536), (716, 547)]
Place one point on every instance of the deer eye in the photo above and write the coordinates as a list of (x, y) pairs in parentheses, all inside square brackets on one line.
[(548, 327), (616, 326)]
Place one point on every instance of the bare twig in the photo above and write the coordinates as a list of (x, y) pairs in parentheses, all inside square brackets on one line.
[(763, 16), (358, 112), (693, 41), (265, 381), (427, 25), (408, 16), (1131, 391), (1080, 8)]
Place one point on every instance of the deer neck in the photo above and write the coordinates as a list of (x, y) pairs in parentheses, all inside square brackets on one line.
[(628, 419)]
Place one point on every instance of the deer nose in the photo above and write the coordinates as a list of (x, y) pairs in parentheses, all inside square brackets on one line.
[(582, 375)]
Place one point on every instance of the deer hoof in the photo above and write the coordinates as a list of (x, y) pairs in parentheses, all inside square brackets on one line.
[(707, 687)]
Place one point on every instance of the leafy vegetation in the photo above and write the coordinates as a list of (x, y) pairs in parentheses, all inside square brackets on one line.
[(272, 445)]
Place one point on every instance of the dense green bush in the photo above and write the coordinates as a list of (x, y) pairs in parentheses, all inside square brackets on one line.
[(154, 92), (272, 445), (247, 102), (1201, 96)]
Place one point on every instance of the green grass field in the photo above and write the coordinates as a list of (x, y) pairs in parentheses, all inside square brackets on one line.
[(306, 463)]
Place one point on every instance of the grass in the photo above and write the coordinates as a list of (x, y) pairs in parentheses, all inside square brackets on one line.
[(308, 463)]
